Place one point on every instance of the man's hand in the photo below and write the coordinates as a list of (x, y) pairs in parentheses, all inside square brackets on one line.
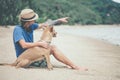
[(42, 26), (63, 20), (43, 44)]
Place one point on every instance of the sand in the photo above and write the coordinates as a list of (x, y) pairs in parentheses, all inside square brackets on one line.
[(101, 58)]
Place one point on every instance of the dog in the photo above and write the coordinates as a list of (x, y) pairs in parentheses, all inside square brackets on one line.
[(37, 53)]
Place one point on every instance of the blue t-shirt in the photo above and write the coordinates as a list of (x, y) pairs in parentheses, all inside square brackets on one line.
[(20, 33)]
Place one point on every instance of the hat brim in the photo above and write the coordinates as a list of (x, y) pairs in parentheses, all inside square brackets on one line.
[(35, 18)]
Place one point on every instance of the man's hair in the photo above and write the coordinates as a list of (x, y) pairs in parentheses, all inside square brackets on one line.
[(22, 23)]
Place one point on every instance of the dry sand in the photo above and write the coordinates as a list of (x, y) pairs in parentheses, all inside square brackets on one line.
[(101, 58)]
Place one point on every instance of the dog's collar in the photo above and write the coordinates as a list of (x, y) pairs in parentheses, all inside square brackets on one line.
[(45, 41)]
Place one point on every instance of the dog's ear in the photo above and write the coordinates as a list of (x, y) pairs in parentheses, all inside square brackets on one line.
[(54, 34), (51, 29)]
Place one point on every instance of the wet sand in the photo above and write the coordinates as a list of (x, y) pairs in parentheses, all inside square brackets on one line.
[(101, 58)]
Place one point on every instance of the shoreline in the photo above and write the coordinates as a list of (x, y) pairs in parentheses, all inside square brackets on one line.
[(107, 33)]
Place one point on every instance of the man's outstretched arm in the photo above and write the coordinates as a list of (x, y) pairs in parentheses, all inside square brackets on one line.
[(54, 22)]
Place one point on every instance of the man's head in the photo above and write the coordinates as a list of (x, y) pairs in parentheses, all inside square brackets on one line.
[(27, 17)]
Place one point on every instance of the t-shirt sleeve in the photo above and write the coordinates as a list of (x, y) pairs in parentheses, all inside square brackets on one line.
[(34, 26), (17, 35)]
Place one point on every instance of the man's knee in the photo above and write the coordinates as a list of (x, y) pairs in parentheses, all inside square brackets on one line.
[(53, 48)]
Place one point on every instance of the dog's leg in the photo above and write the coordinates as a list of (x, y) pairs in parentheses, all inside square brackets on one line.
[(23, 63), (14, 64), (49, 65)]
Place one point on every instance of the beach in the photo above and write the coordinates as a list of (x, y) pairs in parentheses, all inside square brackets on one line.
[(95, 47)]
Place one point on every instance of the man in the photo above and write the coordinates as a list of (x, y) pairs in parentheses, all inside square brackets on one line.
[(23, 36)]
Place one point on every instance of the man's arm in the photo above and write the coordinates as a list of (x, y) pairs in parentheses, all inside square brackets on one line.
[(26, 45), (60, 21), (53, 22)]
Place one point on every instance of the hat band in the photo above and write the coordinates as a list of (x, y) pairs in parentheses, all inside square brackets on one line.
[(28, 18)]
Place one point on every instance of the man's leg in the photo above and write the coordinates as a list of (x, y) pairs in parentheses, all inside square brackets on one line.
[(62, 58)]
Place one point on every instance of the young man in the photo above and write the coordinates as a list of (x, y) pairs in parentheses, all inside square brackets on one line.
[(23, 36)]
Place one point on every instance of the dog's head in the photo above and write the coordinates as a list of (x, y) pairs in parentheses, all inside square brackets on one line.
[(51, 30)]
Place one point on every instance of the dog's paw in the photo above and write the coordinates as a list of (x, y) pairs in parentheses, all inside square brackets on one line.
[(50, 67)]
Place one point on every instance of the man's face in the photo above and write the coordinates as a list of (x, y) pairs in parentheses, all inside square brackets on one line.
[(29, 23)]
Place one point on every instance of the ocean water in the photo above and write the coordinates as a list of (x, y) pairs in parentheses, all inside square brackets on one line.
[(109, 34)]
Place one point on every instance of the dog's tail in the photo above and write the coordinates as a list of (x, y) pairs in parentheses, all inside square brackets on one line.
[(5, 64)]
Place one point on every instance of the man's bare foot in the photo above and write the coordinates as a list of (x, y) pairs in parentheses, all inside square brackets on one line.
[(79, 68)]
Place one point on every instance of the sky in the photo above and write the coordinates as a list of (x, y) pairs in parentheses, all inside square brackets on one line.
[(118, 1)]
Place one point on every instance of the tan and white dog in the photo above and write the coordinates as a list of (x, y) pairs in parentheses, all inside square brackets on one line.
[(37, 53)]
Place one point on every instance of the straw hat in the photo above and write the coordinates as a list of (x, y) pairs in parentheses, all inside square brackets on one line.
[(28, 15)]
